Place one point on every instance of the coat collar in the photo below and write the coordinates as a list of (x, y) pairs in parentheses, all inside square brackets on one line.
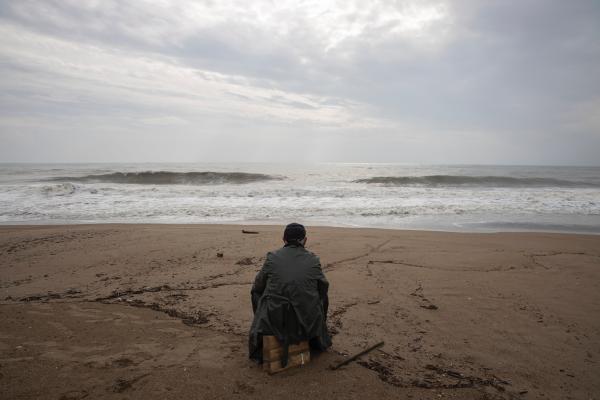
[(293, 244)]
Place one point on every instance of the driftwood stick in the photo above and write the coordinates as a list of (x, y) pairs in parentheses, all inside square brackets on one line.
[(354, 357), (245, 231)]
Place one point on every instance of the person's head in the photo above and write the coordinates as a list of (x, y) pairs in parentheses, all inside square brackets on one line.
[(294, 232)]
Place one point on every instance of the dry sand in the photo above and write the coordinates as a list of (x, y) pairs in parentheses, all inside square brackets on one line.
[(151, 311)]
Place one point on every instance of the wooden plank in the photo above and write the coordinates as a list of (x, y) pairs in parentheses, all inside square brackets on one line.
[(276, 354), (270, 342), (294, 360)]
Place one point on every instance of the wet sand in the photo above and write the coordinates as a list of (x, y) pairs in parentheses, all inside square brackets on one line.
[(152, 311)]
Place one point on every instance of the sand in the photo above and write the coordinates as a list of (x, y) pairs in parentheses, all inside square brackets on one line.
[(152, 312)]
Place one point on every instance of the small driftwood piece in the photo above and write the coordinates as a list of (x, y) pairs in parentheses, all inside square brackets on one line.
[(357, 355), (251, 232)]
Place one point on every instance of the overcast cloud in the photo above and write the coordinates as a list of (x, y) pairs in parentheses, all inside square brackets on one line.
[(355, 81)]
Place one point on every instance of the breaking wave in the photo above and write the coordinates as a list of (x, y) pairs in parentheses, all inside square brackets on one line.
[(61, 189), (173, 178), (481, 181)]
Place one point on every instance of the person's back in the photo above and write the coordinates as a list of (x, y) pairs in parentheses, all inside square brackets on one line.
[(289, 296)]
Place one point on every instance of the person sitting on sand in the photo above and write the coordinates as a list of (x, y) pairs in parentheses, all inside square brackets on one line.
[(289, 297)]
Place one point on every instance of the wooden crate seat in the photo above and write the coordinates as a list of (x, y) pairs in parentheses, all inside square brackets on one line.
[(298, 354)]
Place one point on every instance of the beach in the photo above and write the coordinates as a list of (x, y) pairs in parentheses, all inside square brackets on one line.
[(162, 311)]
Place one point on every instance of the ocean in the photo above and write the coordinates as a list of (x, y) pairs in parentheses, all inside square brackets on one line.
[(449, 198)]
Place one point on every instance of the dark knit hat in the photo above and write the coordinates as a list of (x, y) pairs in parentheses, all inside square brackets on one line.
[(294, 231)]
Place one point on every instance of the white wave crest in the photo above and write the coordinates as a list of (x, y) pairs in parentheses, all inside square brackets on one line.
[(60, 189)]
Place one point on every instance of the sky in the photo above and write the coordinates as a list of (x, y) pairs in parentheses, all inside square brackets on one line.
[(428, 82)]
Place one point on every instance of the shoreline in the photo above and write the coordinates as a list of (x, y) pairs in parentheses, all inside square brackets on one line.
[(593, 231), (153, 311)]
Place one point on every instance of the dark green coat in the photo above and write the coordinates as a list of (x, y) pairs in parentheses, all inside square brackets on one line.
[(289, 300)]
